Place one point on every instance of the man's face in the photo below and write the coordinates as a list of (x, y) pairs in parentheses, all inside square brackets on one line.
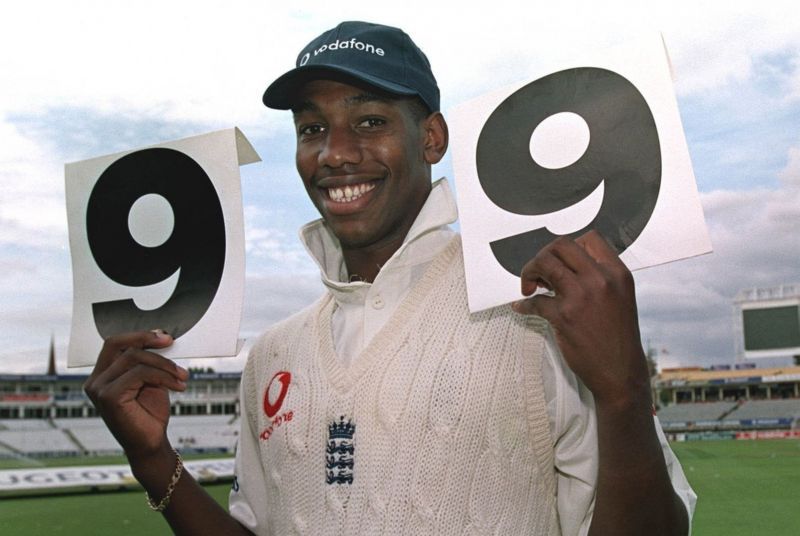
[(362, 161)]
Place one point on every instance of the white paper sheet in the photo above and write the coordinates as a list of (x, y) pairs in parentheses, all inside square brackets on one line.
[(157, 241), (593, 144)]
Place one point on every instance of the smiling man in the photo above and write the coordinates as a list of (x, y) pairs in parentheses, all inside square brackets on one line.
[(386, 407), (365, 161)]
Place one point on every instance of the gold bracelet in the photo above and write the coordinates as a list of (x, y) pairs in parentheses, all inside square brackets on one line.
[(162, 504)]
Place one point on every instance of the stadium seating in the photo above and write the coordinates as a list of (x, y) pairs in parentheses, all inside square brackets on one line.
[(51, 442), (203, 433), (787, 409), (97, 441), (777, 414), (72, 424), (693, 412), (66, 437), (25, 424)]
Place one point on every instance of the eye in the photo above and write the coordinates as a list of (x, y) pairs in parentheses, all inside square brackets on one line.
[(372, 122), (309, 130)]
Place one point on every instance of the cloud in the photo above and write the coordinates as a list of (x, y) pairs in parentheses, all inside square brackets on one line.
[(201, 62), (34, 149), (790, 175), (687, 306), (36, 303), (31, 196), (270, 248), (716, 43), (70, 133), (794, 82), (269, 299), (208, 62)]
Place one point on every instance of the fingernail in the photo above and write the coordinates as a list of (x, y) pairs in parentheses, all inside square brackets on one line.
[(159, 333), (516, 305)]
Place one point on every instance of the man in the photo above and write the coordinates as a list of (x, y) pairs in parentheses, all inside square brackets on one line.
[(386, 407)]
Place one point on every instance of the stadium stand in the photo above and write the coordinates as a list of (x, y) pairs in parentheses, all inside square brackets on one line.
[(674, 386), (90, 435), (36, 443), (203, 433), (707, 411), (25, 424), (49, 415), (767, 410), (733, 402)]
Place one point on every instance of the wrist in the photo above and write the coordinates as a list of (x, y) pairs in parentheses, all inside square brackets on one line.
[(153, 469), (163, 502), (626, 401)]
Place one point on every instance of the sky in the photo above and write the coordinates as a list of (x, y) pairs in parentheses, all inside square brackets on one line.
[(81, 79)]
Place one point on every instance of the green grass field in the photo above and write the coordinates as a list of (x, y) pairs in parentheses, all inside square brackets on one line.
[(111, 513), (745, 488), (87, 514)]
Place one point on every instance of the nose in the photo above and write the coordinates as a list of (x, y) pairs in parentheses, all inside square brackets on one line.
[(341, 147)]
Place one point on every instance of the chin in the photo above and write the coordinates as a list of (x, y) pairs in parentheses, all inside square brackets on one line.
[(354, 240)]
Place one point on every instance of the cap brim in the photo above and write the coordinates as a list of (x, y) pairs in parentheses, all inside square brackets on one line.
[(282, 93)]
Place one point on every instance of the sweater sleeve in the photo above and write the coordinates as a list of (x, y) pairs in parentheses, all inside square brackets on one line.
[(570, 408), (248, 495)]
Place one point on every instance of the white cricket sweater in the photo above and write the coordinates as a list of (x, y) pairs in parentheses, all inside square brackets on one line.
[(439, 427)]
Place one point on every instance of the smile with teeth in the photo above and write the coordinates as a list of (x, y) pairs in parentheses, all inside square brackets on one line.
[(349, 193)]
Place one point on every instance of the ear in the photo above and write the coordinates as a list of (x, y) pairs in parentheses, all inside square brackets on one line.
[(436, 137)]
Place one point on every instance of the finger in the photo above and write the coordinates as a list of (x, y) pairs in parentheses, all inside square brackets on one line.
[(574, 255), (120, 353), (597, 247), (607, 259), (116, 344), (540, 305), (128, 385), (133, 357), (546, 270)]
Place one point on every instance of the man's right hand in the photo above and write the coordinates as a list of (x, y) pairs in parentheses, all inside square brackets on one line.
[(130, 387)]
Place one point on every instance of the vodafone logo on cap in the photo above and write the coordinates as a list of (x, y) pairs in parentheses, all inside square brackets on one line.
[(275, 393), (352, 44)]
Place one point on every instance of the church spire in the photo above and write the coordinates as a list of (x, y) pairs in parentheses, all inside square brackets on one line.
[(51, 365)]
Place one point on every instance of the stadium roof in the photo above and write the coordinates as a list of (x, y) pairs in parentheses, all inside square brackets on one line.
[(790, 373)]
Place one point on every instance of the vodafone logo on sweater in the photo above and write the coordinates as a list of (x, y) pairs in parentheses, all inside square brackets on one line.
[(274, 395), (272, 400)]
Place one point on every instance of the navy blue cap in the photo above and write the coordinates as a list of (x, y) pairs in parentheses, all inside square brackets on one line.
[(381, 56)]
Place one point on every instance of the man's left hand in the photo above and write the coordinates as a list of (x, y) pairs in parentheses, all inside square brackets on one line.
[(593, 314)]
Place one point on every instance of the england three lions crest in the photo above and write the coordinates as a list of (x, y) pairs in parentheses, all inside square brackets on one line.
[(340, 452)]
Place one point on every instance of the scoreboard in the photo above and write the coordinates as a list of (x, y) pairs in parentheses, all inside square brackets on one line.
[(768, 322)]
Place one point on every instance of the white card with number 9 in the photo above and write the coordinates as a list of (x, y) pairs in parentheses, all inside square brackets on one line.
[(157, 241), (593, 144)]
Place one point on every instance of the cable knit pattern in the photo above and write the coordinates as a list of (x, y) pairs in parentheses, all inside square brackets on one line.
[(451, 431)]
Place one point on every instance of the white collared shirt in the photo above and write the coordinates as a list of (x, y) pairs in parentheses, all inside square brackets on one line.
[(363, 308)]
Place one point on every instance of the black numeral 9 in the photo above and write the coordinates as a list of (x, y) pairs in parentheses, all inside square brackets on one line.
[(623, 151), (196, 246)]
